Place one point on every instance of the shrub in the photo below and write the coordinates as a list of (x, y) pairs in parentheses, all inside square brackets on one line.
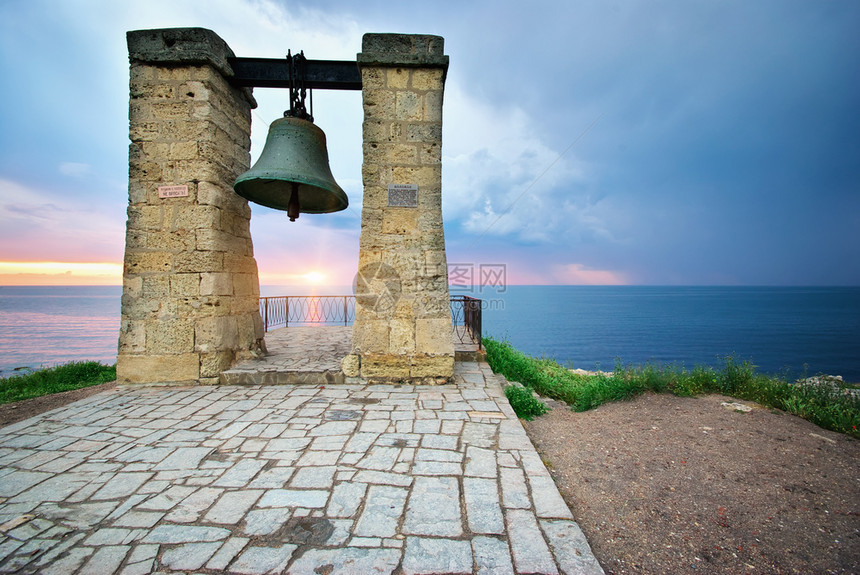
[(525, 405)]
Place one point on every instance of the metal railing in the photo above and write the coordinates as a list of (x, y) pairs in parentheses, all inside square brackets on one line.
[(304, 310), (466, 315)]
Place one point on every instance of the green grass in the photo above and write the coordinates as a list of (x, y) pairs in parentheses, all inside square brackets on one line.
[(525, 405), (826, 407), (73, 375)]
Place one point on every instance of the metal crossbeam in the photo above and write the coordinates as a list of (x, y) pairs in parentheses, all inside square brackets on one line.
[(275, 73)]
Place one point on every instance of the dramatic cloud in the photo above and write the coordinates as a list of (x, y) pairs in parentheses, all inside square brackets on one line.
[(712, 142)]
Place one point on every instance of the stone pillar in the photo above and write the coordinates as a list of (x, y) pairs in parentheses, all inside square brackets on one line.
[(402, 329), (190, 284)]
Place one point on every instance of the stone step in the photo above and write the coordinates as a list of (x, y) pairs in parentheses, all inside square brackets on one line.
[(470, 355), (281, 377)]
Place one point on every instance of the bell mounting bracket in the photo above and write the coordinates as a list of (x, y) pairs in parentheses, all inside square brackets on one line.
[(277, 73)]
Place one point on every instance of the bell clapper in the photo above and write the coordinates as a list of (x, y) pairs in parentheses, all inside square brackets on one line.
[(293, 206)]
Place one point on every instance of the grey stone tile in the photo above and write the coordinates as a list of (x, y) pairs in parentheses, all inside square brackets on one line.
[(530, 551), (226, 553), (265, 521), (167, 500), (346, 560), (17, 481), (69, 562), (190, 556), (514, 491), (114, 536), (241, 473), (434, 441), (434, 508), (259, 560), (288, 444), (480, 462), (273, 478), (184, 458), (379, 458), (438, 455), (139, 519), (175, 534), (310, 498), (312, 457), (105, 560), (548, 501), (333, 428), (570, 547), (232, 506), (436, 468), (383, 507), (492, 557), (436, 556), (482, 505), (121, 485), (361, 442), (428, 426), (346, 497)]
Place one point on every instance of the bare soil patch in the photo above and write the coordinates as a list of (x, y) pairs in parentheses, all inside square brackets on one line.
[(20, 410), (665, 484)]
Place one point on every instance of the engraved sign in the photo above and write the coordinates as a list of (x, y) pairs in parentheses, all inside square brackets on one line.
[(403, 195), (172, 191)]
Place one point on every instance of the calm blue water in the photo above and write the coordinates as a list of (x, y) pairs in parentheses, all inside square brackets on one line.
[(47, 325), (799, 329), (590, 327)]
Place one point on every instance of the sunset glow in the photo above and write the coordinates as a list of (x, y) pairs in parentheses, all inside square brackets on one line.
[(314, 277), (60, 273)]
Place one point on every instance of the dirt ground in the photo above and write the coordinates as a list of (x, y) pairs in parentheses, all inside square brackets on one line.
[(664, 484), (14, 412)]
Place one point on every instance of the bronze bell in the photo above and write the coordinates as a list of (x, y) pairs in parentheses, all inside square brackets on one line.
[(292, 172)]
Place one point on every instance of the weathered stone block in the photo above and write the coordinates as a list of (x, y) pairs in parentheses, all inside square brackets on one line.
[(433, 335), (427, 78), (351, 365), (147, 262), (409, 106), (371, 335), (246, 285), (185, 285), (155, 368), (212, 283), (213, 363), (426, 366), (402, 336), (217, 333), (170, 337), (385, 367), (400, 221), (397, 78)]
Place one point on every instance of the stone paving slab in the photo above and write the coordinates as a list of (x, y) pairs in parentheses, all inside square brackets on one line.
[(284, 479), (312, 355)]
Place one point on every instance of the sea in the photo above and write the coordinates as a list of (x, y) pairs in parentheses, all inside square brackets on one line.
[(790, 331)]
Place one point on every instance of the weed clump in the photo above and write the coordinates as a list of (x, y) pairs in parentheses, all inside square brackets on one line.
[(525, 405)]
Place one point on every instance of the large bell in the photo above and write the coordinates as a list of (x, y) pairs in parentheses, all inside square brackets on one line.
[(292, 172)]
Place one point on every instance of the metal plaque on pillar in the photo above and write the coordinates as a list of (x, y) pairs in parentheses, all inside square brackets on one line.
[(403, 195)]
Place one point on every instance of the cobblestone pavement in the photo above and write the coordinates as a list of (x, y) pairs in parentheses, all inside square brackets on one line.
[(296, 479)]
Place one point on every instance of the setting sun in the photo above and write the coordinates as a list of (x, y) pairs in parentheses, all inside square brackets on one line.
[(314, 277)]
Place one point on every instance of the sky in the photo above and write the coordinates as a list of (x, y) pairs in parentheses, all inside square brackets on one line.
[(681, 142)]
